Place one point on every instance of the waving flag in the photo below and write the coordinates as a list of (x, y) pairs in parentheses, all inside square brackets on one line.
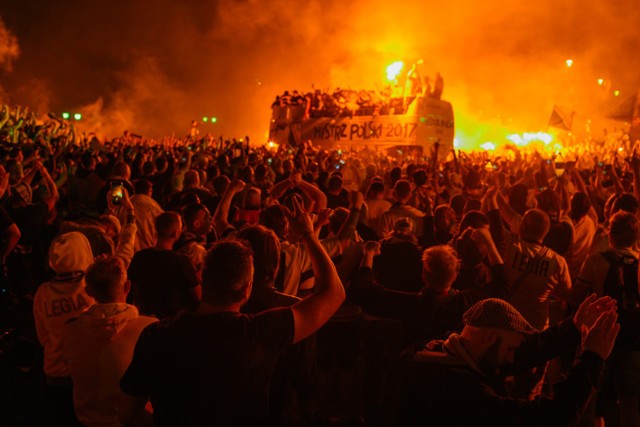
[(561, 117)]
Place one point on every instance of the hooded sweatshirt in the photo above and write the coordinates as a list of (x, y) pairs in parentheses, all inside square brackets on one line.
[(97, 347), (62, 298)]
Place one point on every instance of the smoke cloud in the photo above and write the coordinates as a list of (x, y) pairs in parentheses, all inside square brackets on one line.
[(9, 52), (153, 67), (9, 49)]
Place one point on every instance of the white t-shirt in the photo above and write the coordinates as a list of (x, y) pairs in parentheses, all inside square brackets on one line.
[(147, 210), (375, 208), (395, 212), (595, 269), (297, 261), (549, 278)]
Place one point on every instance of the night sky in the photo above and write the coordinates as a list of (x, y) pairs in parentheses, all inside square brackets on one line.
[(152, 66)]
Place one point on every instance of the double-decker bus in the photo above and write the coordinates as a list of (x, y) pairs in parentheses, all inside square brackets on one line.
[(420, 121)]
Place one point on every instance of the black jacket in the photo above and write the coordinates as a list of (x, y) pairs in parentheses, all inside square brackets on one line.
[(423, 314), (442, 390)]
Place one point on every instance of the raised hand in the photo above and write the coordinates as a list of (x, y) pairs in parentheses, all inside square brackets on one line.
[(236, 186), (323, 217), (295, 178), (126, 201), (4, 182), (602, 336), (634, 162), (371, 248), (357, 199), (482, 235), (492, 194), (299, 219), (591, 309)]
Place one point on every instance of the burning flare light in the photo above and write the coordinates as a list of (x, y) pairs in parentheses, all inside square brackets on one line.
[(272, 146), (394, 69), (529, 137)]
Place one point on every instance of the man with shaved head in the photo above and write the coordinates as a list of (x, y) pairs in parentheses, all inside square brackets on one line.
[(214, 367)]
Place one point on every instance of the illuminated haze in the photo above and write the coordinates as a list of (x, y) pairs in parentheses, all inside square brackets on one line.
[(152, 67)]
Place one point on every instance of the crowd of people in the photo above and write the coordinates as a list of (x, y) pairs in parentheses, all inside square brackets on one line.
[(210, 282), (389, 100)]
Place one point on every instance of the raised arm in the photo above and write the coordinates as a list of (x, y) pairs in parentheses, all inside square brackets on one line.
[(220, 217), (313, 312), (482, 236), (496, 225), (635, 168), (348, 229), (9, 238), (4, 116), (428, 237), (509, 215), (127, 236), (314, 193), (280, 188), (374, 298), (53, 196), (577, 179)]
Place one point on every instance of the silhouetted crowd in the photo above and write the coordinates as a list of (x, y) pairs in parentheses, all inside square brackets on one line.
[(390, 100), (192, 282)]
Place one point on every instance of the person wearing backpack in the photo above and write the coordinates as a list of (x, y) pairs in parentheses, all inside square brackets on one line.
[(614, 273)]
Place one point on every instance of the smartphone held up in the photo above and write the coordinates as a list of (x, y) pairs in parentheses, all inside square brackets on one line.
[(117, 193)]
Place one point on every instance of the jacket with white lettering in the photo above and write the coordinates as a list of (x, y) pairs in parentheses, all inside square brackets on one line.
[(54, 304)]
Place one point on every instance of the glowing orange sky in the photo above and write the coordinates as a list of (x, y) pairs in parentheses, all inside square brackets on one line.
[(154, 67)]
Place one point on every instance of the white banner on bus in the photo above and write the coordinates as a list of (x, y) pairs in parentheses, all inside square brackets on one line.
[(433, 121)]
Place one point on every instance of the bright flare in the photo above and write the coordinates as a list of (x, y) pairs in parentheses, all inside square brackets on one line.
[(489, 146), (600, 82), (569, 62), (394, 69), (529, 137), (616, 93)]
